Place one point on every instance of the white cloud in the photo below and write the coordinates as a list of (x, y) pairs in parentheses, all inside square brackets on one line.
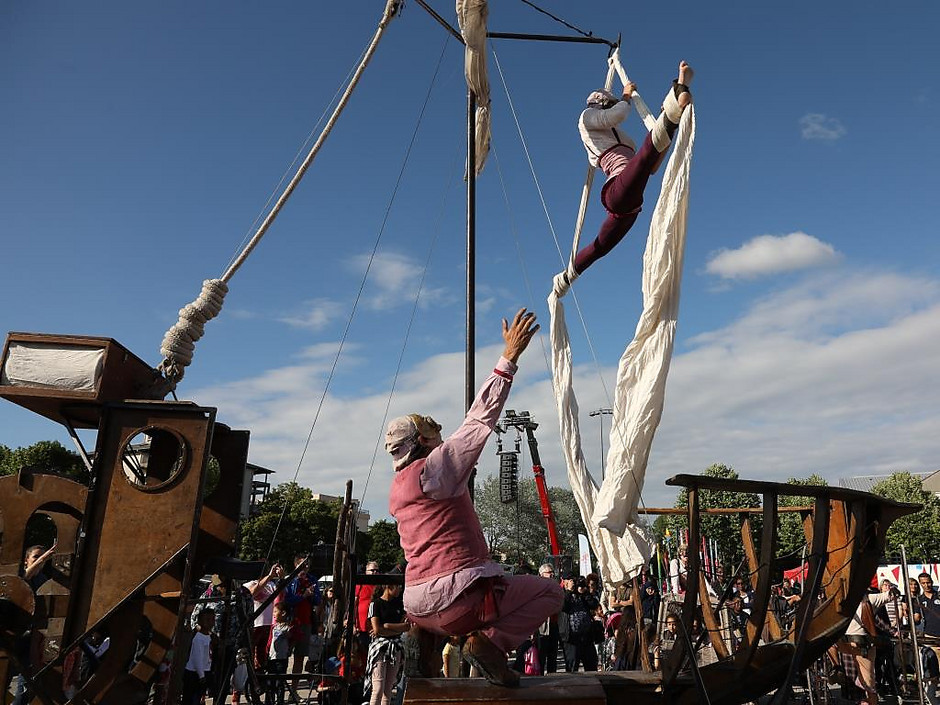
[(828, 376), (316, 314), (816, 126), (393, 281), (771, 254)]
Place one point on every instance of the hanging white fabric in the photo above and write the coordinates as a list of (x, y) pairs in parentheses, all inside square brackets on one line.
[(620, 545), (644, 366), (471, 16)]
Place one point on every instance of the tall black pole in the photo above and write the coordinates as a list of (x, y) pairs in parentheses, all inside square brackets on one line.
[(469, 376), (469, 366)]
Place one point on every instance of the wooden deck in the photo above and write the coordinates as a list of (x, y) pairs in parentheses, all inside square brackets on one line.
[(634, 687)]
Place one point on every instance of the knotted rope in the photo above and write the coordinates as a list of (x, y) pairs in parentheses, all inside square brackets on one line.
[(179, 343)]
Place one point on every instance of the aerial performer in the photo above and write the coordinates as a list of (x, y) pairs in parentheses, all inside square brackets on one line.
[(611, 149), (452, 587)]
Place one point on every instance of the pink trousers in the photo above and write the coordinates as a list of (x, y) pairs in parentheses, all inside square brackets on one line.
[(508, 610)]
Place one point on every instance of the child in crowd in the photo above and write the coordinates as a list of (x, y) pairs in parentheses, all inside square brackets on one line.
[(279, 647), (239, 675), (452, 658), (195, 677)]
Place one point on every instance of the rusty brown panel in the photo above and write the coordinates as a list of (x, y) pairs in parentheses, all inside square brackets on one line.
[(138, 530), (218, 521), (22, 495), (711, 620)]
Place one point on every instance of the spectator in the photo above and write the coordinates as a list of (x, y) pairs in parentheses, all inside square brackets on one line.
[(929, 602), (29, 645), (666, 641), (260, 590), (743, 591), (594, 587), (650, 600), (547, 640), (239, 678), (578, 638), (302, 596), (452, 658), (385, 657), (279, 650), (679, 571), (860, 643), (199, 665)]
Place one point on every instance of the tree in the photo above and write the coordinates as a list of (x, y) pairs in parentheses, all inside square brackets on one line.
[(305, 524), (46, 457), (386, 544), (919, 533), (725, 529), (790, 535)]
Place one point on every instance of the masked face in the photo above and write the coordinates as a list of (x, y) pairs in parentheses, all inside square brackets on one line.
[(410, 437)]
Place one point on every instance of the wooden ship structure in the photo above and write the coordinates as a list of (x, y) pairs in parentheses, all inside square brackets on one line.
[(131, 544)]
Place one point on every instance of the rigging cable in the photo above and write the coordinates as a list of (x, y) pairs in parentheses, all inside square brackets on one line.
[(558, 19), (359, 293)]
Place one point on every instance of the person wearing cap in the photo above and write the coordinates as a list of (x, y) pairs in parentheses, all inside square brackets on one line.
[(452, 588), (610, 149)]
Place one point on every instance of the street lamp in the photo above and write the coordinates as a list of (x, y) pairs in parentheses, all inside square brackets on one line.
[(602, 413)]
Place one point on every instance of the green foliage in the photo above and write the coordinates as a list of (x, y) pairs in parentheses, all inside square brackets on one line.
[(44, 456), (723, 528), (518, 530), (306, 523), (790, 535), (919, 533), (385, 546)]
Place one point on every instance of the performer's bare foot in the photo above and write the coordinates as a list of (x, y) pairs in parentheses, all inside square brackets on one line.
[(685, 78)]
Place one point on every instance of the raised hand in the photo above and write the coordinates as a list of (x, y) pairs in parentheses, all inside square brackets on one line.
[(518, 334)]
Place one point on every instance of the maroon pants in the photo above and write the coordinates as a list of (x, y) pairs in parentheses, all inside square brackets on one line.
[(508, 610), (622, 196)]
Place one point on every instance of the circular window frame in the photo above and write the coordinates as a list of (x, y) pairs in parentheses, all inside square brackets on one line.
[(183, 460)]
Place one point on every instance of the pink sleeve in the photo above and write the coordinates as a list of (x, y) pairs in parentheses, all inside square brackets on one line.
[(448, 467)]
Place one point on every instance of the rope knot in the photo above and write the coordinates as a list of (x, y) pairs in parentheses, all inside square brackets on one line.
[(179, 342)]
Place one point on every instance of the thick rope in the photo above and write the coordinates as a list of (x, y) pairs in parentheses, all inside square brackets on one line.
[(179, 343)]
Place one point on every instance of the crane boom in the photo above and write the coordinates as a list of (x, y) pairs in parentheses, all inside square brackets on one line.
[(523, 422)]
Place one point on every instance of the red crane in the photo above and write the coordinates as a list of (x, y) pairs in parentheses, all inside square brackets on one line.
[(523, 423)]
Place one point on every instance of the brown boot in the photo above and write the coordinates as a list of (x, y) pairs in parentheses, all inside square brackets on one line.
[(430, 661), (489, 660)]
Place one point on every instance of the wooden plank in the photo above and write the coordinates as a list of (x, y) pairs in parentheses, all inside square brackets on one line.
[(719, 510), (778, 488), (710, 619), (641, 628), (572, 688), (761, 579)]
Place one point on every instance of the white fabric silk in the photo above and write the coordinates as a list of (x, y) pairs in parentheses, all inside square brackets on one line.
[(620, 545)]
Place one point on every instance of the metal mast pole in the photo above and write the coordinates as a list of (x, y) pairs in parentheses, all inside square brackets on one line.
[(469, 371)]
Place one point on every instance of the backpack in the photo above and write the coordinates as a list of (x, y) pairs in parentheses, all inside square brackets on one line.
[(533, 661)]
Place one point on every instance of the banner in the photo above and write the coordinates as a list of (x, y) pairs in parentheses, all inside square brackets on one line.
[(584, 551)]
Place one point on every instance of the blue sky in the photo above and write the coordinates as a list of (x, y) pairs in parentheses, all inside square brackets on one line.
[(141, 141)]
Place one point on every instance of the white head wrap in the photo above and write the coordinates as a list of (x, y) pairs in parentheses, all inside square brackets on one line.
[(402, 438), (601, 99)]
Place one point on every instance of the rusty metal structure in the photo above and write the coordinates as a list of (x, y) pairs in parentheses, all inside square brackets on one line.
[(168, 484)]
